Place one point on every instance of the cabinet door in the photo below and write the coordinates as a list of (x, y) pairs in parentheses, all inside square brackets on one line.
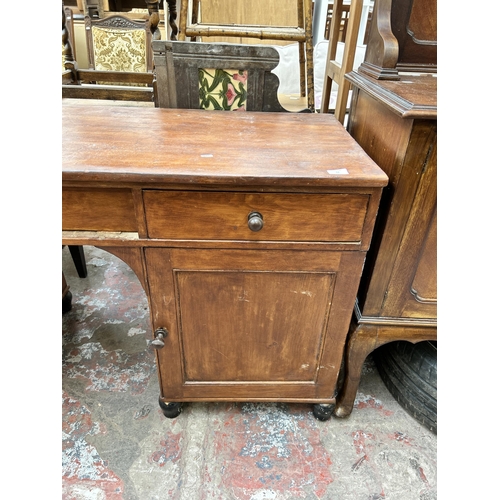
[(251, 324)]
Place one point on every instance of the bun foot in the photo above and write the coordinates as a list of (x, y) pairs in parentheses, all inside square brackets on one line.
[(170, 410), (323, 412)]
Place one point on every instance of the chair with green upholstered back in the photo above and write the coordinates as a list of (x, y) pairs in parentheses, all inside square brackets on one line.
[(216, 76)]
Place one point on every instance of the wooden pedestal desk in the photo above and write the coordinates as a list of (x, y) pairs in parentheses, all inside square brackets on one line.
[(248, 232)]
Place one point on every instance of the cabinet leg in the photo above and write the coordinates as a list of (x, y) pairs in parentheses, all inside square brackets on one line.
[(170, 410), (361, 342)]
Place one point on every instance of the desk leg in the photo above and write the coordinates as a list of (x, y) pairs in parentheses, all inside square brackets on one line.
[(362, 341), (66, 296)]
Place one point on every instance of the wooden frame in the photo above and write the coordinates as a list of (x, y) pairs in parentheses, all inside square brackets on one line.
[(69, 73), (334, 71)]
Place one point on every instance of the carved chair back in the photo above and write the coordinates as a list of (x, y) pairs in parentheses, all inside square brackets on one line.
[(120, 59), (241, 19), (116, 43), (216, 76)]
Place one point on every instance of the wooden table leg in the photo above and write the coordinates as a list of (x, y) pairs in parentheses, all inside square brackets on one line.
[(362, 341)]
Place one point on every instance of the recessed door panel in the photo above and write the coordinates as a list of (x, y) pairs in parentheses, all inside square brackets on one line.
[(252, 326)]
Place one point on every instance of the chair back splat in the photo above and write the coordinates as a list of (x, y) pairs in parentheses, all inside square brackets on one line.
[(216, 76), (216, 19)]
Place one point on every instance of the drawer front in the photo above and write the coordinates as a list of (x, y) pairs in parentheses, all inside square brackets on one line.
[(225, 216), (98, 210)]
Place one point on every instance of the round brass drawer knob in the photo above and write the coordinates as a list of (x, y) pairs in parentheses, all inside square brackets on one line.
[(255, 221)]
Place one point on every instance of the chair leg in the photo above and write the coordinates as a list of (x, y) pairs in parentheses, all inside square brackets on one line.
[(78, 259)]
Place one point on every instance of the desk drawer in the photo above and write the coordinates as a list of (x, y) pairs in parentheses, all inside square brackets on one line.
[(225, 216), (98, 210)]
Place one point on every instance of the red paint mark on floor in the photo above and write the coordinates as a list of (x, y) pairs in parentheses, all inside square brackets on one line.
[(84, 474), (361, 445), (262, 448), (401, 438), (363, 401), (422, 475), (419, 470)]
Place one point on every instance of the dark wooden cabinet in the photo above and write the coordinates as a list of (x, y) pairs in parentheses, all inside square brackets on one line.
[(395, 122), (393, 117)]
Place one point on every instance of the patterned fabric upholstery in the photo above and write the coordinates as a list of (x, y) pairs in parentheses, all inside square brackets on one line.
[(223, 89), (118, 49)]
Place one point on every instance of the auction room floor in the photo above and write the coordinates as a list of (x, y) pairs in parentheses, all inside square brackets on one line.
[(116, 443)]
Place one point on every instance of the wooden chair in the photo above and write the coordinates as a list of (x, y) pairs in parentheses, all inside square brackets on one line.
[(116, 43), (216, 76), (344, 21), (70, 35), (334, 70), (120, 59), (191, 25), (68, 42)]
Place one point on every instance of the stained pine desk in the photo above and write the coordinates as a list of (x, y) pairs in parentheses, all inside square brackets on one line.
[(247, 231)]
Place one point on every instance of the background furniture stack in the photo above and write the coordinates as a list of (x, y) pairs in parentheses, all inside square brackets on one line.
[(394, 118)]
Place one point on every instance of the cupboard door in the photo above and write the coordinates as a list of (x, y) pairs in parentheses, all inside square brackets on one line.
[(251, 324)]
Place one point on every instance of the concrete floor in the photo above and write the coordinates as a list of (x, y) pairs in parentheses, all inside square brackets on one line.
[(118, 445)]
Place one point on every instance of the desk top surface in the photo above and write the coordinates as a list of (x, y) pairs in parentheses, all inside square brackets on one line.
[(152, 146)]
